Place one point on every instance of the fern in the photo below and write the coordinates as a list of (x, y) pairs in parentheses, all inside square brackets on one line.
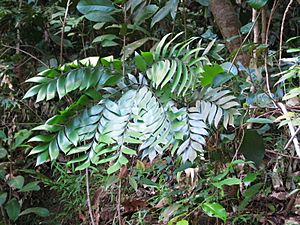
[(216, 104), (134, 115), (190, 132), (77, 75), (179, 65), (109, 128)]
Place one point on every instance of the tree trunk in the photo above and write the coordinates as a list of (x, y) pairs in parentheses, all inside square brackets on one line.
[(229, 24)]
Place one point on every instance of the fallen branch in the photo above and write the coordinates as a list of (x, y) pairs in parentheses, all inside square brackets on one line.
[(292, 130), (291, 139), (283, 155)]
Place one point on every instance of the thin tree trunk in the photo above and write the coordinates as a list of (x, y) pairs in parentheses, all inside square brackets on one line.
[(229, 24)]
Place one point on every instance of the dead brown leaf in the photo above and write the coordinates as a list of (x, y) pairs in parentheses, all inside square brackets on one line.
[(164, 201), (134, 205), (123, 172)]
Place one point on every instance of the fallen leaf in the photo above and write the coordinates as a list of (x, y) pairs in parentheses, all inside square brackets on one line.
[(134, 205), (82, 217), (123, 172), (164, 201), (279, 195)]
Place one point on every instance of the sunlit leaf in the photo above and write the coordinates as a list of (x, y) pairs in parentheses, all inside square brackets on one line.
[(257, 4), (215, 210)]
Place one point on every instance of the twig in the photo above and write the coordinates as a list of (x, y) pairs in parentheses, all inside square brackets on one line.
[(27, 53), (263, 25), (243, 134), (266, 55), (290, 204), (63, 32), (119, 202), (292, 130), (4, 52), (243, 42), (281, 154), (255, 38), (238, 148), (23, 124), (124, 41), (291, 139), (37, 115), (88, 196), (270, 20), (18, 30), (82, 41), (184, 19), (282, 28)]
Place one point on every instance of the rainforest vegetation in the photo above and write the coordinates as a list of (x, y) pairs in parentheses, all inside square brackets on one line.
[(148, 112)]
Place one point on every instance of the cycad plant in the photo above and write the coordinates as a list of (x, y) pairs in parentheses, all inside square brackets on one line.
[(155, 103)]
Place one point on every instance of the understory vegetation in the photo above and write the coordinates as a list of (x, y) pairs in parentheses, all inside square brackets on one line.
[(149, 112)]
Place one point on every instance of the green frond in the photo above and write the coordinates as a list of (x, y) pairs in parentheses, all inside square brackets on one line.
[(190, 131), (179, 65), (63, 80), (107, 131), (216, 104)]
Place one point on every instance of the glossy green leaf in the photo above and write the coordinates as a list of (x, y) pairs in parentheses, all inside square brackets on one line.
[(246, 28), (122, 160), (86, 6), (61, 87), (42, 94), (259, 120), (129, 49), (250, 177), (20, 137), (170, 7), (140, 62), (40, 138), (51, 90), (16, 182), (42, 212), (215, 210), (3, 152), (228, 67), (32, 91), (128, 151), (13, 208), (221, 79), (83, 166), (32, 186), (249, 194), (148, 56), (42, 158), (210, 72), (53, 150), (293, 50), (144, 13), (257, 4), (182, 222), (133, 183), (115, 167), (203, 2), (105, 37), (3, 197)]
